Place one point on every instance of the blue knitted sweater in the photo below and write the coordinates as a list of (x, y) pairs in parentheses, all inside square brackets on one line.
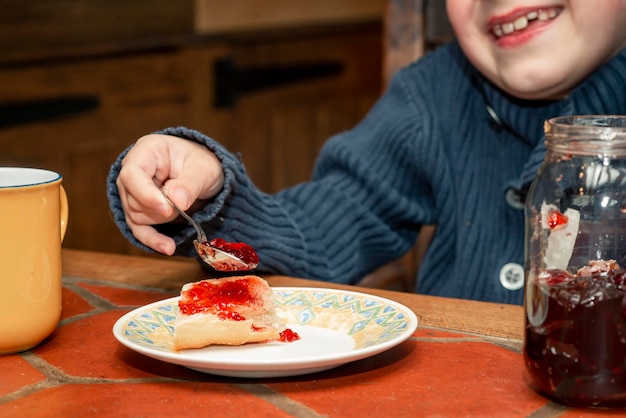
[(441, 146)]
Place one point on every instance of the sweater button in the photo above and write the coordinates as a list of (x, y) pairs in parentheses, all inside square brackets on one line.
[(514, 199), (512, 276)]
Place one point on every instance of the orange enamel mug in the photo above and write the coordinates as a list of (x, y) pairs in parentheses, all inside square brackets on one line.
[(33, 220)]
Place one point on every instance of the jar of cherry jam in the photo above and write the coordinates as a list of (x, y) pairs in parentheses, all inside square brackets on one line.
[(575, 264)]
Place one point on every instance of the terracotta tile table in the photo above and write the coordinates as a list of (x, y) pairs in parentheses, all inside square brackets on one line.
[(463, 360)]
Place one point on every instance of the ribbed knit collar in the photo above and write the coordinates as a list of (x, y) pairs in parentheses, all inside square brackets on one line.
[(604, 92)]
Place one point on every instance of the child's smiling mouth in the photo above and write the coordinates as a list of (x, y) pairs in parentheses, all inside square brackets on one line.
[(518, 22)]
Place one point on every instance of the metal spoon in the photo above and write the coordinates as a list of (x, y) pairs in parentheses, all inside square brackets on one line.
[(218, 259)]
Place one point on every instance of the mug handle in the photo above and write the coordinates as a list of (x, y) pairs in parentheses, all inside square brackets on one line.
[(64, 212)]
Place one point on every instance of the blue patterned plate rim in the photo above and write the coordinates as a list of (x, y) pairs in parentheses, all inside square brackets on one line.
[(337, 326)]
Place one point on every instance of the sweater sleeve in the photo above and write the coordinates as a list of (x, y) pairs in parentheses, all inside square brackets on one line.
[(362, 208)]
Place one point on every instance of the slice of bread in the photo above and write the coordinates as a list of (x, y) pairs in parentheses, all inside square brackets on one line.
[(227, 311)]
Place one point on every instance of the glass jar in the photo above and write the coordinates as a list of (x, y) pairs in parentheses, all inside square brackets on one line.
[(575, 263)]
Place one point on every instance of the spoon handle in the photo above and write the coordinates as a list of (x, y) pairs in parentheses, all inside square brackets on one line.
[(199, 231)]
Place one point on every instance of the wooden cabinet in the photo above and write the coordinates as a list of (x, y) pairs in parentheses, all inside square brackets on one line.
[(123, 97), (280, 129), (76, 113)]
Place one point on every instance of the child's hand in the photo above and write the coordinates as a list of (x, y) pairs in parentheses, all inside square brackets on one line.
[(187, 171)]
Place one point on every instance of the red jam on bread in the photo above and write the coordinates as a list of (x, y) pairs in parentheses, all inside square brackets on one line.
[(228, 311)]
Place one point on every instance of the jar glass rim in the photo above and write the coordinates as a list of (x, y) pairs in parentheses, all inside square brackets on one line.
[(590, 133), (581, 123)]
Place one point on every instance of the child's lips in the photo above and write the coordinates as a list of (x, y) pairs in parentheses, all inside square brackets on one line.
[(520, 19)]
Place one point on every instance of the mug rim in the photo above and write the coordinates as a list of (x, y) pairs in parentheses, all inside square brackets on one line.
[(40, 176)]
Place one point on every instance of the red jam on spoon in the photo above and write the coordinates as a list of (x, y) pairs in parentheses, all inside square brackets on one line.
[(228, 256)]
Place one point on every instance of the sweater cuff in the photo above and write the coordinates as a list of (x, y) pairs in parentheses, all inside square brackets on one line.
[(183, 235), (239, 212)]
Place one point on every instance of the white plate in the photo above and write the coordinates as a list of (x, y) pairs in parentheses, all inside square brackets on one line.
[(335, 327)]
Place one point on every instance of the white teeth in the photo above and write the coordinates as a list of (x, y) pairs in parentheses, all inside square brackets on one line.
[(522, 22)]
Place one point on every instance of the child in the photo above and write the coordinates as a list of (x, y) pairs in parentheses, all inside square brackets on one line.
[(455, 141)]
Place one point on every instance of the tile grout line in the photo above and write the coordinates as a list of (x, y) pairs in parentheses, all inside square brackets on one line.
[(467, 334), (119, 285), (549, 410), (93, 299), (99, 304), (55, 377), (279, 400), (506, 344)]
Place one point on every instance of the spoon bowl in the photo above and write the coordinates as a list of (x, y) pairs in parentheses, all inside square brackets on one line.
[(222, 258)]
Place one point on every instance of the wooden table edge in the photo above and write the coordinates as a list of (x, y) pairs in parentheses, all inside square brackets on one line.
[(492, 320)]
